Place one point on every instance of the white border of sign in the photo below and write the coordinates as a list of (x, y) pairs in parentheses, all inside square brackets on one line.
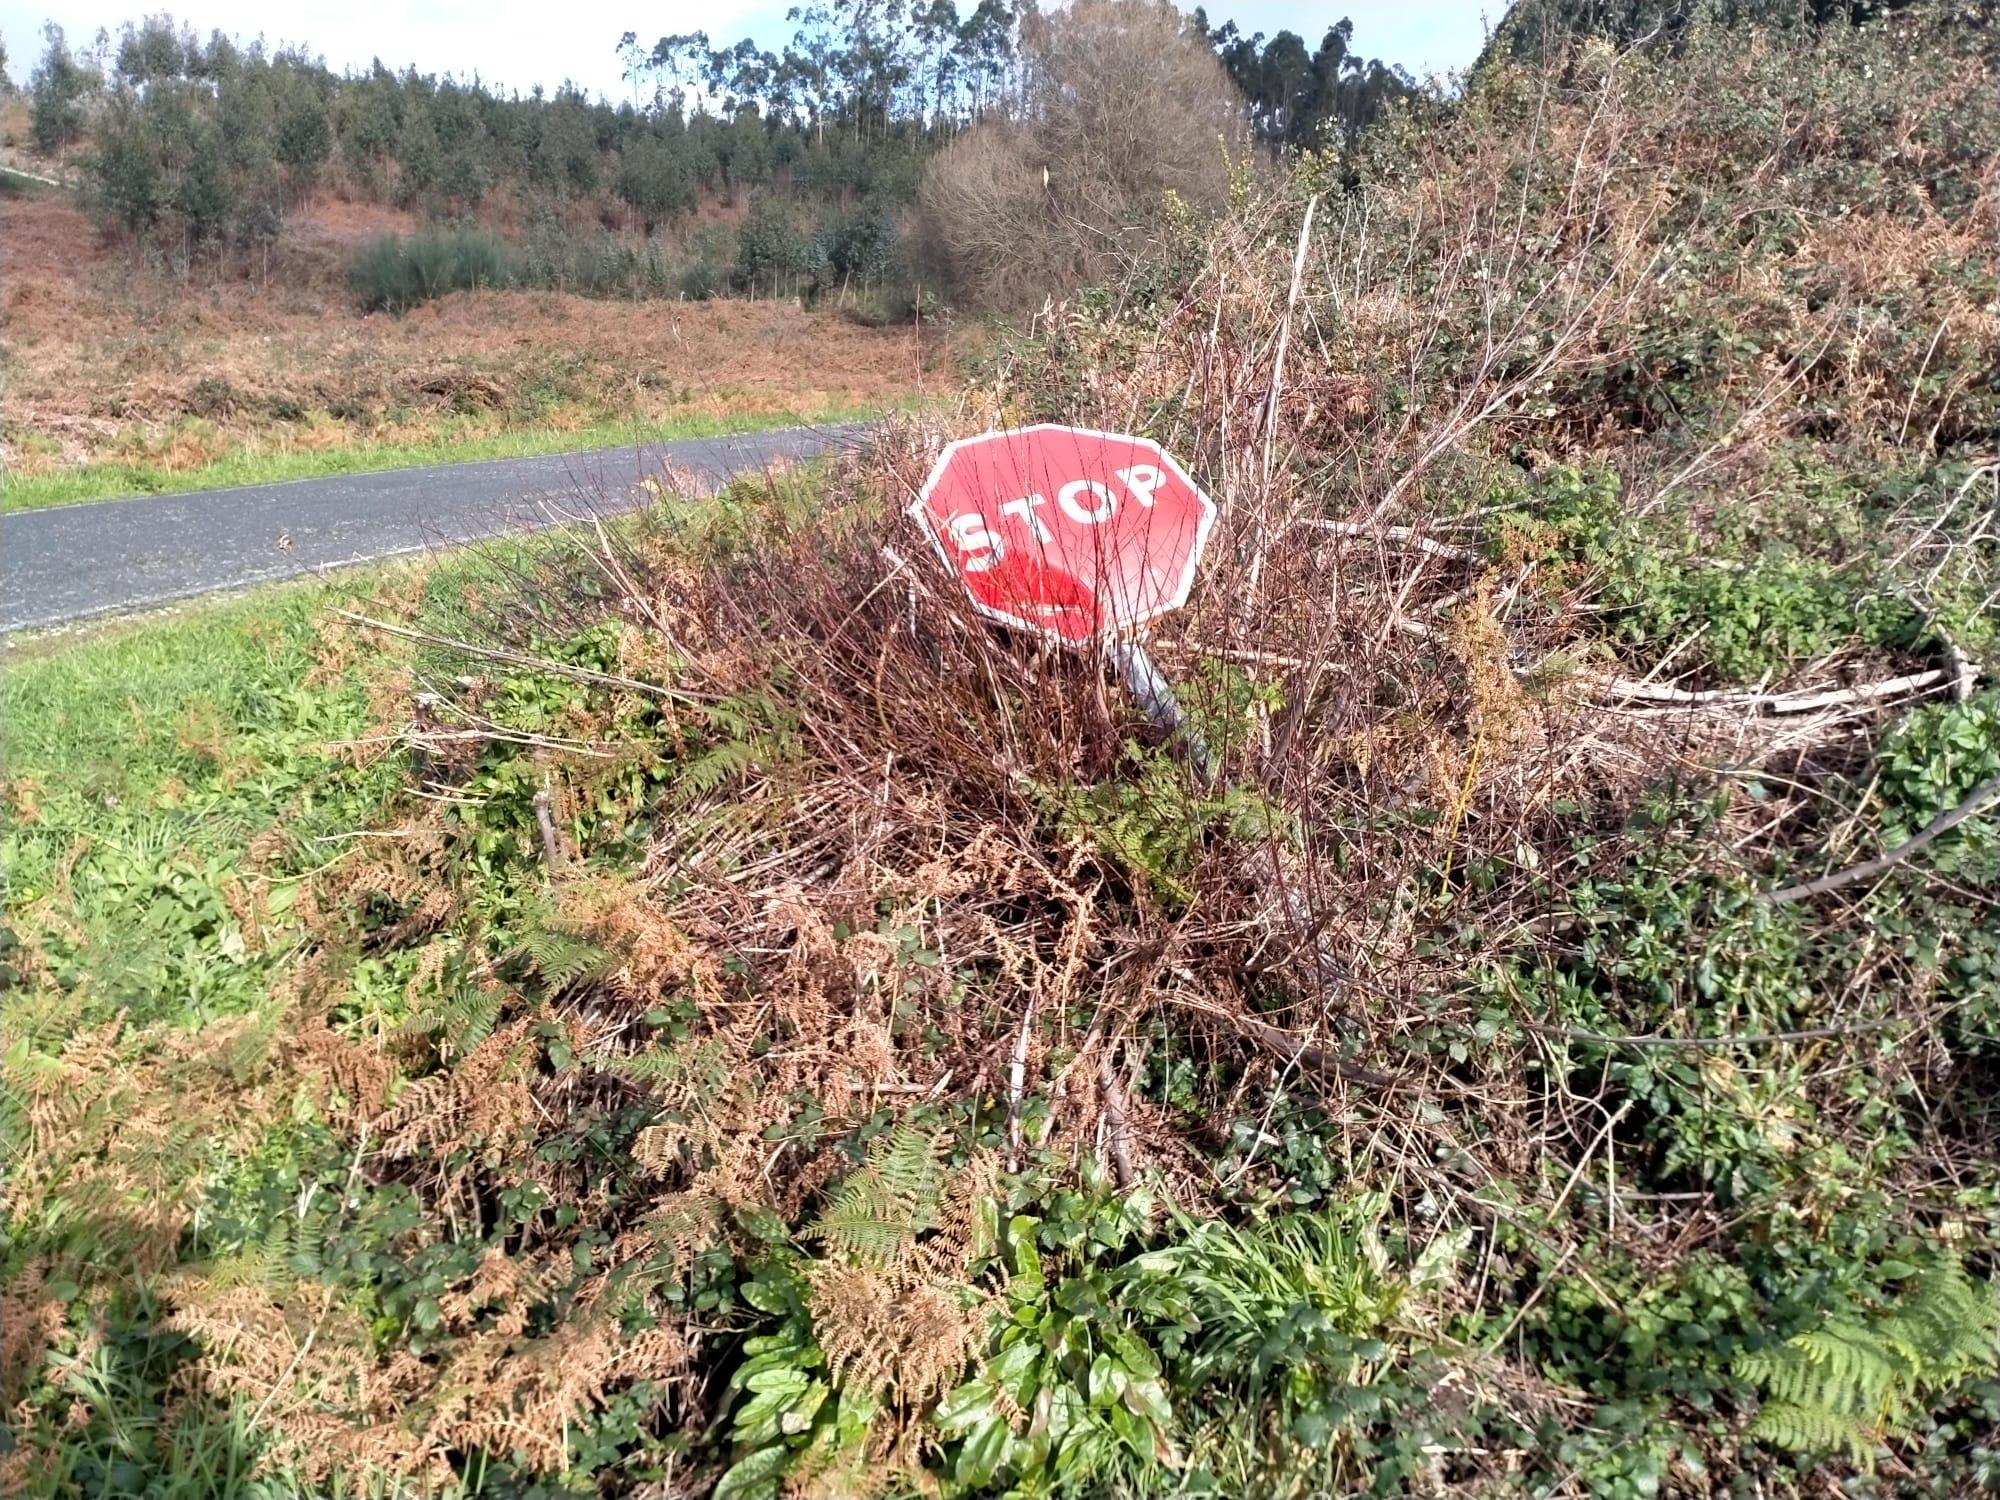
[(919, 513)]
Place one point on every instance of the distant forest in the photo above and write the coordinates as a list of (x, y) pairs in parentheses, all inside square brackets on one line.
[(200, 147)]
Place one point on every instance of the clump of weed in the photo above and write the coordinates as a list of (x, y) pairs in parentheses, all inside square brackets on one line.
[(394, 273)]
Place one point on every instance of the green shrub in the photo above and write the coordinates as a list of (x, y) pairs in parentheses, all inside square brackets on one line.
[(1935, 757), (56, 94), (1742, 619), (394, 273), (771, 249), (705, 263)]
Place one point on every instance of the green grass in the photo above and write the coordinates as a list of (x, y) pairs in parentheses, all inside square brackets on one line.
[(118, 480), (141, 761), (20, 185)]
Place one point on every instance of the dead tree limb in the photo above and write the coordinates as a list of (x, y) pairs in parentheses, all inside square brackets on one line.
[(1116, 1127), (1617, 688), (1987, 791)]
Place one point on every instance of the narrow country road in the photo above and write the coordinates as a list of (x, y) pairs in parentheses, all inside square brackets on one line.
[(72, 562)]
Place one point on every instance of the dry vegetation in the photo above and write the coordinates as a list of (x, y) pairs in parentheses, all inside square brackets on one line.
[(1118, 109), (109, 360), (752, 1025)]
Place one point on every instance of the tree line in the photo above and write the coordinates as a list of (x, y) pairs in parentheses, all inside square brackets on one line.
[(198, 146)]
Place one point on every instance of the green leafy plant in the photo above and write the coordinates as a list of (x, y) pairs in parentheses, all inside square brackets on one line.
[(1153, 820), (1935, 756), (787, 1414), (1070, 1397)]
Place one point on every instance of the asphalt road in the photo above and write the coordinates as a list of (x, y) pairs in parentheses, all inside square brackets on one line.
[(73, 562)]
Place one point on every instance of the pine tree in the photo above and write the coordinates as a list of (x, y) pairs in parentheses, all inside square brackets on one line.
[(56, 94)]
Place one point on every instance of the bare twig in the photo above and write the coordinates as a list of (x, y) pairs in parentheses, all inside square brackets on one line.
[(1277, 388), (1293, 1048), (1408, 535), (1115, 1124), (1284, 338), (521, 659), (1017, 1076), (1625, 688)]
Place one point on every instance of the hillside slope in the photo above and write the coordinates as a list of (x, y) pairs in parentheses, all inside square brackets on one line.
[(111, 360)]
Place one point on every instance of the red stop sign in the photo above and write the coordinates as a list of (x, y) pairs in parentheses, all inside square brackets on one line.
[(1072, 533)]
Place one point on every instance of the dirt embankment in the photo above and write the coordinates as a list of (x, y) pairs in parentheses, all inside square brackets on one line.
[(108, 357)]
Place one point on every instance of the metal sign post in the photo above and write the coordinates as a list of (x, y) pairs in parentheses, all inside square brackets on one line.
[(1155, 698)]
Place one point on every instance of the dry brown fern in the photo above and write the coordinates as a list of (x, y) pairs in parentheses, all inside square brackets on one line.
[(305, 1361), (120, 1127), (904, 1340), (359, 1075), (653, 954), (30, 1320), (487, 1096)]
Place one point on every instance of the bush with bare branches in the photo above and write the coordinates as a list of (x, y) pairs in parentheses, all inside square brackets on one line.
[(1115, 108)]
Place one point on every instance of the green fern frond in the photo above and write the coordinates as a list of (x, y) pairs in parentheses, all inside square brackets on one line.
[(1153, 823), (1848, 1368), (1947, 1322), (461, 1018), (1845, 1386), (906, 1162), (715, 769), (1814, 1429), (560, 958), (267, 1262), (877, 1212), (703, 1065), (737, 718), (864, 1227)]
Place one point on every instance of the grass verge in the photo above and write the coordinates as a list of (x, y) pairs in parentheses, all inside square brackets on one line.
[(112, 480)]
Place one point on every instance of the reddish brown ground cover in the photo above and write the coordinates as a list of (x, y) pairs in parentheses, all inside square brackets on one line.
[(109, 357)]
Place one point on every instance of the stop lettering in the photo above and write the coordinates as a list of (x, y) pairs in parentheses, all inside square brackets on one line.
[(1070, 533)]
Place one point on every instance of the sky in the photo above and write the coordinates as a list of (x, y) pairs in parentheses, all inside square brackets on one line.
[(516, 44)]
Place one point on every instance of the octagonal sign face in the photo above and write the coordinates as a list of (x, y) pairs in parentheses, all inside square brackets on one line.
[(1073, 534)]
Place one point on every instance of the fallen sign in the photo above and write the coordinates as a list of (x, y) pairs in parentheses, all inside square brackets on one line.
[(1081, 537), (1072, 534)]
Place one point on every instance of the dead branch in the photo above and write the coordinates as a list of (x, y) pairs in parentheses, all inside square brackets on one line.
[(1804, 701), (545, 821), (522, 659), (1407, 535), (1987, 791), (1291, 1047), (1117, 1128)]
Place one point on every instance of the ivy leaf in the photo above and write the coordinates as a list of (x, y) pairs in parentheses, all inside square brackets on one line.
[(980, 1458), (965, 1407)]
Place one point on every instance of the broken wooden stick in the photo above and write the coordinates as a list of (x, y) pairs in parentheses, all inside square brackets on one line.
[(551, 845), (1806, 701)]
